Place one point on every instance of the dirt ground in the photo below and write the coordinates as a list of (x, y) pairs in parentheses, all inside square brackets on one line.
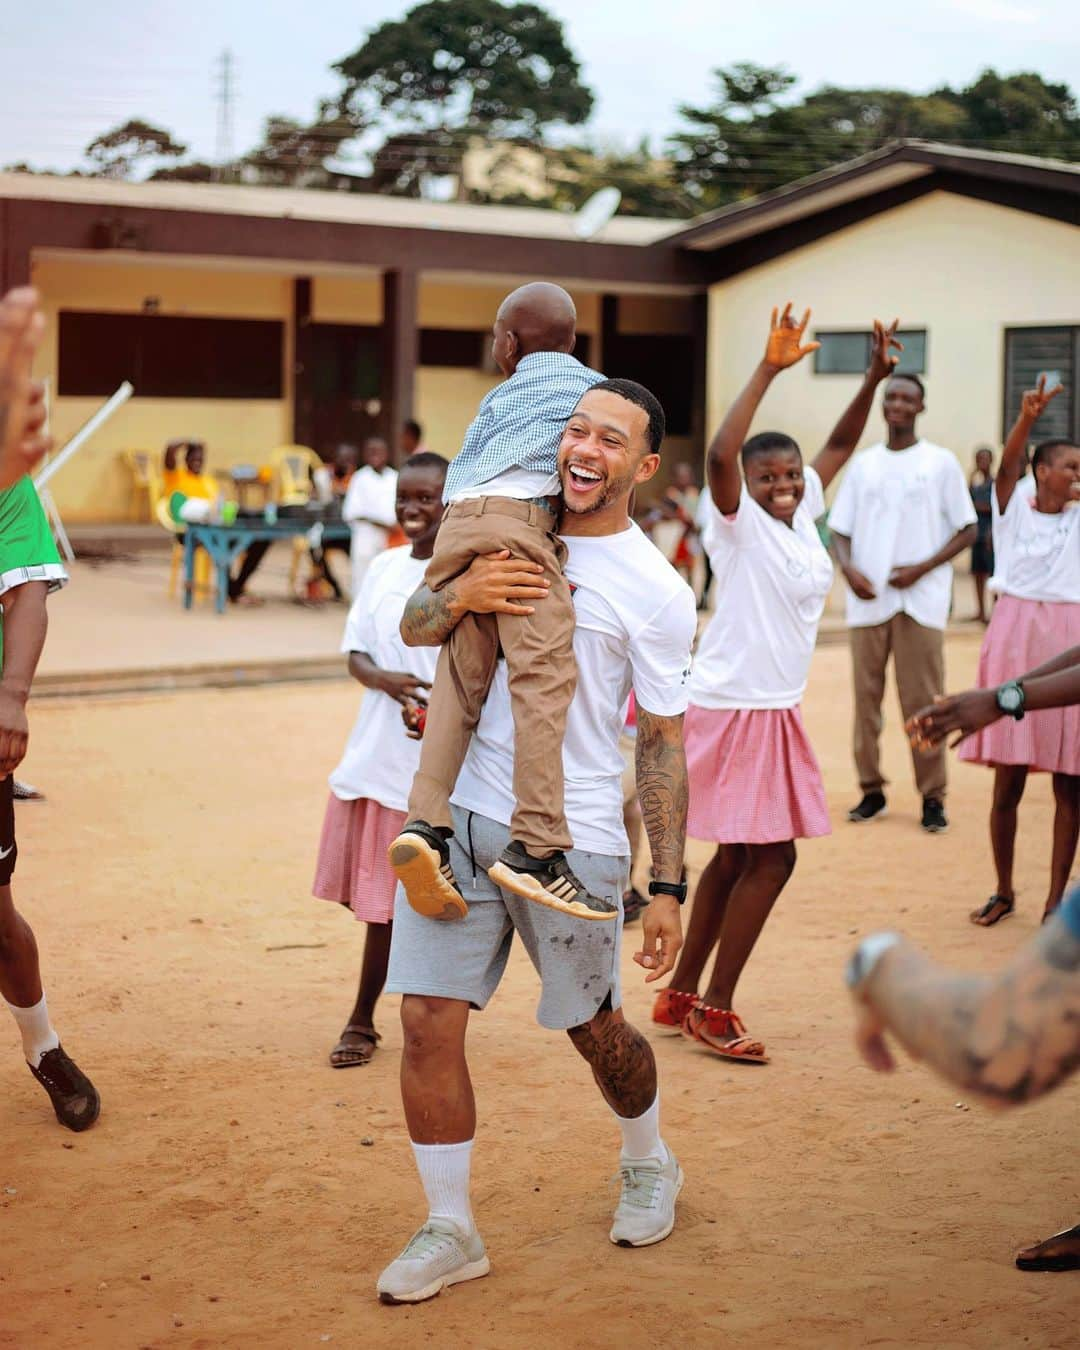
[(238, 1192)]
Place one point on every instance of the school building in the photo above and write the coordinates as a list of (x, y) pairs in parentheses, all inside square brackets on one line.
[(255, 317)]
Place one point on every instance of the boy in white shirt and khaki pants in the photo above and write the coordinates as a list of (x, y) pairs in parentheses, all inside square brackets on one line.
[(902, 513)]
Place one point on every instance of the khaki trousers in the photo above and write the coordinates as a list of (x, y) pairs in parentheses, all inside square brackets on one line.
[(540, 665), (919, 662)]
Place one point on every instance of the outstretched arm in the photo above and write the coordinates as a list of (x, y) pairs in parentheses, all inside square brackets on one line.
[(783, 349), (1009, 1037), (838, 449), (23, 442), (664, 793), (495, 583), (1032, 406)]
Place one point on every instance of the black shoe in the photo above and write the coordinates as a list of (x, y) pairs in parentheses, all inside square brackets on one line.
[(872, 807), (421, 858), (633, 903), (934, 820), (548, 881), (74, 1097)]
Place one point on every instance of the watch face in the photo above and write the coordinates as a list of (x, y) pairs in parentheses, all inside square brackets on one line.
[(1010, 698)]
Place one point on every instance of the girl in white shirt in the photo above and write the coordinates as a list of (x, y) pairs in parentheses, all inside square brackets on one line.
[(755, 785), (1037, 616), (369, 789)]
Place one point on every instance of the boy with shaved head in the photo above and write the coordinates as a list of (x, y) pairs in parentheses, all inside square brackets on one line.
[(502, 494)]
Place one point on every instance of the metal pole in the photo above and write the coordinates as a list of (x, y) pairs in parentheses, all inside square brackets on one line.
[(83, 434)]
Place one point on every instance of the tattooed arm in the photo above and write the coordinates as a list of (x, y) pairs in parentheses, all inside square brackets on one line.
[(663, 790), (1009, 1037), (495, 583)]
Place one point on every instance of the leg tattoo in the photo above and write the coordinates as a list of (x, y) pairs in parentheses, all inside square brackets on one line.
[(621, 1060)]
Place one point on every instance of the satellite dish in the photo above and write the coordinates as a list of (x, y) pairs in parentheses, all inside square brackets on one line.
[(596, 212)]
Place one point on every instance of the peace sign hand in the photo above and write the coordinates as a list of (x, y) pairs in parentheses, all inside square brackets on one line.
[(784, 347), (883, 360), (1036, 401)]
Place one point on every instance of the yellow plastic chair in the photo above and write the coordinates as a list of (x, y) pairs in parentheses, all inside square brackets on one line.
[(292, 466), (145, 478), (205, 573)]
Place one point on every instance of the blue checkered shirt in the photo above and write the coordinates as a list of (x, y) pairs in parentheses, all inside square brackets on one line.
[(520, 422)]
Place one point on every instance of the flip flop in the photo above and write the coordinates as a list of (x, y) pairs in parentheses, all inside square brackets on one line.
[(721, 1031), (985, 917), (360, 1054)]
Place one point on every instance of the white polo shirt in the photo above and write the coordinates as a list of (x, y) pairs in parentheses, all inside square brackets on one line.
[(900, 507)]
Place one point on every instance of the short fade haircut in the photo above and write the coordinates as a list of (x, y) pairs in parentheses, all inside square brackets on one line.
[(426, 459), (642, 398), (413, 428), (1044, 451), (767, 443), (903, 375)]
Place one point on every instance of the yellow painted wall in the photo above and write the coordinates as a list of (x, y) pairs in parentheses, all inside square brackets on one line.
[(446, 402), (443, 305), (656, 314), (961, 269), (347, 300), (96, 484)]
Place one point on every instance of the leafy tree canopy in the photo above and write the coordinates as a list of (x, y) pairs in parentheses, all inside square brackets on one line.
[(116, 153)]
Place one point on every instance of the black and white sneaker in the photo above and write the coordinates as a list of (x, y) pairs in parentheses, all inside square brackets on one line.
[(872, 807), (934, 820), (74, 1097), (421, 859), (548, 881)]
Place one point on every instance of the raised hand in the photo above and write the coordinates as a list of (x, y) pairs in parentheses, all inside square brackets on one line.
[(883, 359), (23, 441), (785, 345), (1036, 401)]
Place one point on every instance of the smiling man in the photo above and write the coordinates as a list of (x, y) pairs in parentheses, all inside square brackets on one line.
[(635, 621)]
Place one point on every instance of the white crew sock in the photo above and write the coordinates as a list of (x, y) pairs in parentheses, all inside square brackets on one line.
[(444, 1171), (38, 1036), (641, 1134)]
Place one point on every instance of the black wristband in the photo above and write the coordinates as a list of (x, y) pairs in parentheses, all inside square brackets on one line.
[(675, 888)]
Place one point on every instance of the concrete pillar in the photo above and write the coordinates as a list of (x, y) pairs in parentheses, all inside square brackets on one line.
[(400, 351), (303, 398)]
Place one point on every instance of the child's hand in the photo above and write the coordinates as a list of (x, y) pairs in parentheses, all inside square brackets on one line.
[(1036, 401), (882, 358), (784, 347)]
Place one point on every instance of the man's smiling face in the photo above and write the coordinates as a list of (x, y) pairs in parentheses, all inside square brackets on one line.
[(604, 452)]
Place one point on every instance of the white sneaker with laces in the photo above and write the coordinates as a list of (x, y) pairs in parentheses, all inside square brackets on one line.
[(437, 1255), (646, 1210)]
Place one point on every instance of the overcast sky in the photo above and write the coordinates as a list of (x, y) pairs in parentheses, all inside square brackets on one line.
[(72, 70)]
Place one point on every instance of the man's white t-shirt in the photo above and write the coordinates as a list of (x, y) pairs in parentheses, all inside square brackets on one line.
[(635, 623), (1036, 555), (771, 584), (370, 508), (900, 507), (380, 760)]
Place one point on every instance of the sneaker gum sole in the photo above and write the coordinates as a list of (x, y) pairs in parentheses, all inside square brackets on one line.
[(654, 1237), (417, 865), (473, 1271), (529, 889)]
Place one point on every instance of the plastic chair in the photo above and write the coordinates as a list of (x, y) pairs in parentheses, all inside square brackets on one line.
[(145, 477), (293, 465), (205, 580)]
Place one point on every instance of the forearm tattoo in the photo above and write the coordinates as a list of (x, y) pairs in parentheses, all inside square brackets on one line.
[(663, 790), (1010, 1037), (428, 620), (621, 1060)]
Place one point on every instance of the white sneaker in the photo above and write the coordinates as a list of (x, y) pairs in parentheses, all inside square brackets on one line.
[(439, 1254), (646, 1210)]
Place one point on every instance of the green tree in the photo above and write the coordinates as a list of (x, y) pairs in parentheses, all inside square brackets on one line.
[(116, 153), (294, 154)]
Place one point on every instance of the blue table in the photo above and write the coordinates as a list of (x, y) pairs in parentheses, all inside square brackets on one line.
[(224, 542)]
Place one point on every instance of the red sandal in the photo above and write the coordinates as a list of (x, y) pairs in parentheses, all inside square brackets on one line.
[(671, 1006), (722, 1032)]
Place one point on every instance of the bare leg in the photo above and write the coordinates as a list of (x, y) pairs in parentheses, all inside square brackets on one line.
[(436, 1090), (707, 914), (980, 594), (1009, 783), (767, 869), (357, 1043), (20, 974), (1066, 832), (621, 1060)]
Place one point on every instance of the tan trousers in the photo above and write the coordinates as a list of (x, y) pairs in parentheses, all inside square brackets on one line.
[(919, 662), (540, 665)]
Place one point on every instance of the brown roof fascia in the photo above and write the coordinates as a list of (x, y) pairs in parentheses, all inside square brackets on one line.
[(48, 224)]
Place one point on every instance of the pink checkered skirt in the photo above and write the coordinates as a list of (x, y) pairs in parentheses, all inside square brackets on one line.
[(754, 777), (352, 868), (1023, 634)]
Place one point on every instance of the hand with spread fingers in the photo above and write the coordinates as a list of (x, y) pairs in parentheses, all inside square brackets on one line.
[(1036, 401), (23, 442), (785, 345), (883, 357)]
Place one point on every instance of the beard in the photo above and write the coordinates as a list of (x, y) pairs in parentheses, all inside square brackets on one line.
[(611, 491)]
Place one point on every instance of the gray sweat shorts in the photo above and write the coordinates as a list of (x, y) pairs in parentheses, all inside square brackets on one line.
[(577, 959)]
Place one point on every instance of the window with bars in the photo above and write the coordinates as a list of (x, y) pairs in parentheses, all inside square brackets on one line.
[(1030, 352), (848, 353)]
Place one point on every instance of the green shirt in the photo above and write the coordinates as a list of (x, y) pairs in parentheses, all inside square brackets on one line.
[(27, 549)]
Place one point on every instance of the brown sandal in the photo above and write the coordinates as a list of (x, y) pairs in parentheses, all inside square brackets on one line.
[(998, 907), (721, 1031), (345, 1056)]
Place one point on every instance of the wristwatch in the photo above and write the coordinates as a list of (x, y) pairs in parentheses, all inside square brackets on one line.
[(1010, 699), (675, 888), (866, 956)]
